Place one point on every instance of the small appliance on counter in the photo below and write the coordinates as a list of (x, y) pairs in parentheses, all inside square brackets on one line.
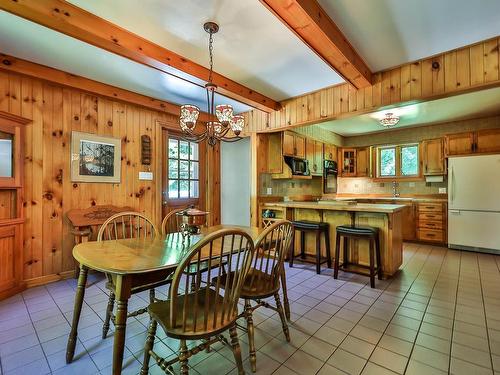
[(330, 172), (299, 167)]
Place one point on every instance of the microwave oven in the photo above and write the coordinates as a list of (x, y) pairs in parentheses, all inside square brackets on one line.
[(299, 167)]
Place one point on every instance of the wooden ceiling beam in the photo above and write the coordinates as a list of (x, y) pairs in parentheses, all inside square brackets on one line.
[(73, 21), (13, 64), (308, 20)]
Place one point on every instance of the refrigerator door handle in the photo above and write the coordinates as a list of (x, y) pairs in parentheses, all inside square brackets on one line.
[(452, 185), (454, 212)]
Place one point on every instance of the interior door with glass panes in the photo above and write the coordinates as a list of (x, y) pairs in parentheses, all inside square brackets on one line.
[(182, 173)]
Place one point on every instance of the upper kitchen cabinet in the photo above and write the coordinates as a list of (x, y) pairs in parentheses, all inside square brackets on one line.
[(483, 141), (363, 162), (487, 141), (294, 145), (314, 154), (433, 157), (330, 152), (348, 160)]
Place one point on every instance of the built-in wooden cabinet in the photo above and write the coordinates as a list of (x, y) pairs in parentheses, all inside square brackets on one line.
[(294, 145), (11, 205), (431, 223), (483, 141), (314, 154), (433, 163), (330, 152), (348, 162), (363, 162)]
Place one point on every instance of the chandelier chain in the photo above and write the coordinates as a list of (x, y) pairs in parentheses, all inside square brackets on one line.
[(211, 55)]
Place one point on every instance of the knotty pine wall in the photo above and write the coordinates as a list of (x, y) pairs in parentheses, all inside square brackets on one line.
[(55, 111)]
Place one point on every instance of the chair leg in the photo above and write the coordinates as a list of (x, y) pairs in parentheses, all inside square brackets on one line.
[(286, 302), (328, 252), (345, 261), (183, 358), (372, 264), (149, 346), (109, 312), (337, 256), (151, 295), (251, 342), (236, 349), (379, 261), (318, 252), (292, 251), (302, 245), (279, 307)]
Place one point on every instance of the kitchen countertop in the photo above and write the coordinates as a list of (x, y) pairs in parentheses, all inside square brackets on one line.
[(389, 198), (340, 206)]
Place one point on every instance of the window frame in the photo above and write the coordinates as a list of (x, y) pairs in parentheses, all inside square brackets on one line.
[(167, 159), (398, 150)]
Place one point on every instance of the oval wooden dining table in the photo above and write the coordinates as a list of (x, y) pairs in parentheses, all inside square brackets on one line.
[(133, 262)]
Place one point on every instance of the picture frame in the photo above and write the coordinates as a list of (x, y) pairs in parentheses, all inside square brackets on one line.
[(95, 158)]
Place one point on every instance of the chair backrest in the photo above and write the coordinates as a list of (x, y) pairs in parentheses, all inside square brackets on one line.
[(127, 225), (271, 248), (170, 224), (201, 278)]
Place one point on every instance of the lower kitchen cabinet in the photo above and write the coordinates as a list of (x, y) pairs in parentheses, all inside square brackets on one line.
[(431, 223)]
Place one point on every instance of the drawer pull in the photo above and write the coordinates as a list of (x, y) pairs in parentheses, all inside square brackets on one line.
[(431, 216), (431, 224), (430, 235)]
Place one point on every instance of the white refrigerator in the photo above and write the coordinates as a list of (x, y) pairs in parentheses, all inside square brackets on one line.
[(474, 203)]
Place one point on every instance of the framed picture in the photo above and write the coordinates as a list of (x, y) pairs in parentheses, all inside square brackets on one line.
[(95, 158)]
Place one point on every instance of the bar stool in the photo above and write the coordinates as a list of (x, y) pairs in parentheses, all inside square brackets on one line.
[(367, 233), (304, 226)]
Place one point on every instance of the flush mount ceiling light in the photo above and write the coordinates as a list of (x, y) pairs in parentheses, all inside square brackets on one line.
[(214, 130), (389, 120)]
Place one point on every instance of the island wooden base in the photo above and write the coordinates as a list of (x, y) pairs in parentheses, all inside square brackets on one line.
[(389, 224)]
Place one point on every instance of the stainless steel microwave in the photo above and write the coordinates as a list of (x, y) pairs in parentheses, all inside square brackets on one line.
[(299, 167)]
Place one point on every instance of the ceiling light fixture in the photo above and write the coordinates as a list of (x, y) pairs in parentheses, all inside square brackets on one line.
[(226, 121), (389, 120)]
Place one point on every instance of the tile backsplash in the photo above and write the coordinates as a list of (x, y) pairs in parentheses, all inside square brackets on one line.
[(287, 187), (358, 185)]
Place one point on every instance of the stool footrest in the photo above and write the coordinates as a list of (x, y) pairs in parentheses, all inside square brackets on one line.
[(357, 268), (310, 258)]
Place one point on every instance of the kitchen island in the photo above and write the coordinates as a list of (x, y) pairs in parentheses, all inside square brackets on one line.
[(386, 217)]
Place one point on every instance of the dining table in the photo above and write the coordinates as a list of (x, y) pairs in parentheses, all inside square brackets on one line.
[(134, 262)]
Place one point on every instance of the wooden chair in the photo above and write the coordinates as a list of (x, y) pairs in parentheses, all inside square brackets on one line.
[(203, 313), (121, 226), (170, 223), (263, 279)]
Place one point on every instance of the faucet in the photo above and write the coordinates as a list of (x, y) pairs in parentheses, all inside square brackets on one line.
[(395, 189)]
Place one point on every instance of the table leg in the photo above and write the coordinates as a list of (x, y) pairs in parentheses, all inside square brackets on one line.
[(80, 292), (123, 288)]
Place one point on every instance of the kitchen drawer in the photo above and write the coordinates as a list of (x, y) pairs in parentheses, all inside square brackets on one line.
[(430, 235), (434, 216), (430, 224), (430, 207)]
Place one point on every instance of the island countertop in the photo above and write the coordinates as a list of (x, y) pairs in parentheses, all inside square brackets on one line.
[(340, 206)]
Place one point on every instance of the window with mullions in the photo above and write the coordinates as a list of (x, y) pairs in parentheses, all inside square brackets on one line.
[(398, 161), (183, 169)]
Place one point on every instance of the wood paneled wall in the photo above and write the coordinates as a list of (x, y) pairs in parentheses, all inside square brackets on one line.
[(469, 68), (55, 111)]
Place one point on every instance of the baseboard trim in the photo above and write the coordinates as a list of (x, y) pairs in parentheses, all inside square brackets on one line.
[(42, 280)]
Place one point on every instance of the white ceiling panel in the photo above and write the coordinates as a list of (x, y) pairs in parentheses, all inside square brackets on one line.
[(29, 41), (387, 33), (473, 105), (252, 46)]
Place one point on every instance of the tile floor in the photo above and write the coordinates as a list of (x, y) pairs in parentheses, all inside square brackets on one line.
[(440, 314)]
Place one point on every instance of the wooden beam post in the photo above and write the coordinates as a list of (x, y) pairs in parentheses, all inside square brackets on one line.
[(312, 24)]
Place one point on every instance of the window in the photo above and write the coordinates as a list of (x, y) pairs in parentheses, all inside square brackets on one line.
[(183, 169), (398, 161)]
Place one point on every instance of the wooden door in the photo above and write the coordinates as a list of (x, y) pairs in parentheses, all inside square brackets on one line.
[(460, 144), (300, 146), (409, 217), (310, 155), (10, 255), (318, 157), (289, 144), (274, 153), (487, 141), (433, 157), (330, 152), (362, 162)]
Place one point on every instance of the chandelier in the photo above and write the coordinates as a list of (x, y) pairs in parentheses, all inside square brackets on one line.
[(214, 130), (389, 120)]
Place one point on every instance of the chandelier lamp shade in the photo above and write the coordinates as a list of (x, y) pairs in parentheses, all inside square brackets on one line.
[(389, 120), (225, 125)]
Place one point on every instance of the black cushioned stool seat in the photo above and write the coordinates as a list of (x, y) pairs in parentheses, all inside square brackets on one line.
[(304, 226), (368, 233)]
